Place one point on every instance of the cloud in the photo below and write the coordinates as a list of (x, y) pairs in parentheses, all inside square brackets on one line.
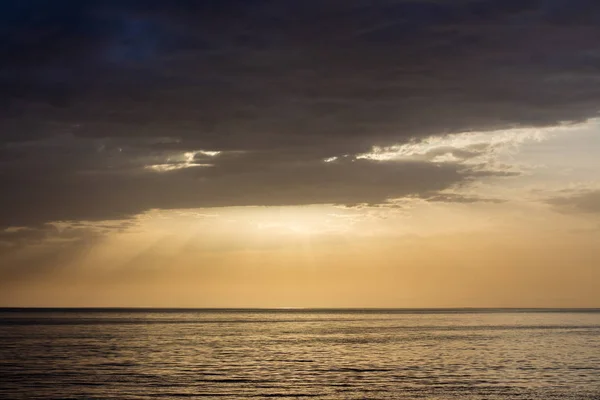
[(103, 102), (36, 251), (476, 150), (582, 202), (460, 198), (15, 238), (106, 195)]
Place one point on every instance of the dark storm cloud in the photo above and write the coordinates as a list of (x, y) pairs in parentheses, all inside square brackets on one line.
[(93, 91), (116, 196)]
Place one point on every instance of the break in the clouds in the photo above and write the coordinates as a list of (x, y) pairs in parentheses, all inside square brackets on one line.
[(112, 108)]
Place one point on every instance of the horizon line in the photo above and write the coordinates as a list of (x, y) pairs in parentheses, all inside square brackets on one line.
[(290, 309)]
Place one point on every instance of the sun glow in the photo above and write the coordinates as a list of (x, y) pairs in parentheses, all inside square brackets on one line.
[(295, 220), (292, 226), (267, 224)]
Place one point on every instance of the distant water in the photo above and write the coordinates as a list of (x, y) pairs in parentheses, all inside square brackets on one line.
[(327, 354)]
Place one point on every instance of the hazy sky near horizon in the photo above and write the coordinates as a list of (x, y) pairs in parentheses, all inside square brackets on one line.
[(391, 153)]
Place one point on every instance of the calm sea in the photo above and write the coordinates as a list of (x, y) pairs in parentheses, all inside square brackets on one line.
[(328, 354)]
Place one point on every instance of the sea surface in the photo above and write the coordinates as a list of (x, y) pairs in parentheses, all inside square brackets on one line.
[(324, 354)]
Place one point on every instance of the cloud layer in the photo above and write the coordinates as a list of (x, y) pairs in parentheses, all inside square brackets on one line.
[(112, 108), (582, 202)]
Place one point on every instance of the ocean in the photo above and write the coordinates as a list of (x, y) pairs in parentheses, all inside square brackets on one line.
[(323, 354)]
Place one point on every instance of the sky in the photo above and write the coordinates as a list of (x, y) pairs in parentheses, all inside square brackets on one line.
[(280, 153)]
